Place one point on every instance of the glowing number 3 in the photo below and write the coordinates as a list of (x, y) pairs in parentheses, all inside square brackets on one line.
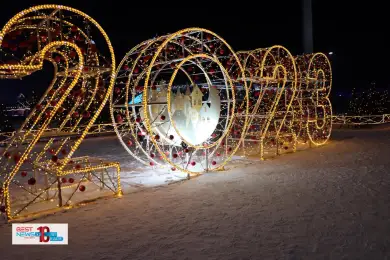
[(319, 81)]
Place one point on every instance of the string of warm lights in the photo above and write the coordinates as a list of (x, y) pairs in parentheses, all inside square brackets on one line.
[(279, 102), (32, 176), (174, 102), (185, 101)]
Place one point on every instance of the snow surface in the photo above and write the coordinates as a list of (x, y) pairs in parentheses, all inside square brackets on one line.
[(331, 202)]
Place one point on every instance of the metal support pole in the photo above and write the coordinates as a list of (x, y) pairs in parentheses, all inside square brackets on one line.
[(207, 160), (307, 26), (59, 192), (102, 178), (46, 185)]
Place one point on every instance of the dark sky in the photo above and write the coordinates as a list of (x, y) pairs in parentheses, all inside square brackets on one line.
[(356, 33)]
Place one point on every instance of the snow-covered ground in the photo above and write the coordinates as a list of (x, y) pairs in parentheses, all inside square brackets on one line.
[(331, 202)]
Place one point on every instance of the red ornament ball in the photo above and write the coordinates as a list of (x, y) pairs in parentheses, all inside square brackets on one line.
[(152, 155), (87, 114), (151, 163), (119, 118), (16, 158), (162, 117), (71, 180), (173, 169), (63, 180), (24, 174), (54, 158), (213, 162), (171, 137), (32, 181), (193, 163), (138, 120), (186, 150), (175, 155), (82, 188), (129, 143), (157, 137)]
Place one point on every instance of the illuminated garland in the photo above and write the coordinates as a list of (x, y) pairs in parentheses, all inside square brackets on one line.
[(175, 102), (35, 178), (289, 105), (185, 101), (279, 102)]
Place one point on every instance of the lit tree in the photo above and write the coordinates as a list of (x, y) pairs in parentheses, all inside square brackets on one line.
[(5, 125), (369, 102)]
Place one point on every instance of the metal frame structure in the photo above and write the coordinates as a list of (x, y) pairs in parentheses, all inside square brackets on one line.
[(159, 71), (42, 175)]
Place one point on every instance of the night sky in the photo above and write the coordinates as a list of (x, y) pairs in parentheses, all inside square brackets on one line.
[(355, 33)]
